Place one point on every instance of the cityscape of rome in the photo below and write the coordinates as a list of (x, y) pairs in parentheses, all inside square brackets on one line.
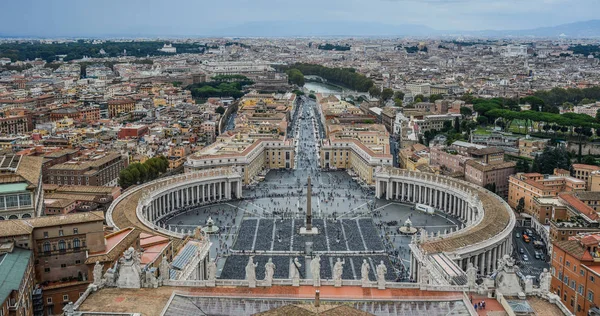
[(383, 157)]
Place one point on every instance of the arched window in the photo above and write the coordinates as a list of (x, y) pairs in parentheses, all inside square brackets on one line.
[(13, 217), (46, 247), (62, 246), (76, 243), (1, 218), (26, 216)]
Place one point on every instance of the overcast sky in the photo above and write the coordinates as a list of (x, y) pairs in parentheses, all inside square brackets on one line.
[(198, 17)]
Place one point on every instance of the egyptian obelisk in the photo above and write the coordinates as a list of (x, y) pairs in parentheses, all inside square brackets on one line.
[(308, 206), (309, 229)]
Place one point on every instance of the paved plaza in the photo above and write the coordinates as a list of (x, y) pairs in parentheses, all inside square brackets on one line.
[(348, 216)]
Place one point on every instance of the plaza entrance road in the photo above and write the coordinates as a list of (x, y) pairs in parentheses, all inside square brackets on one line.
[(282, 194)]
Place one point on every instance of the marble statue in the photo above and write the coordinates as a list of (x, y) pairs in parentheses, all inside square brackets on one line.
[(381, 271), (150, 280), (163, 269), (129, 271), (471, 274), (315, 269), (212, 272), (295, 272), (98, 274), (69, 309), (338, 270), (424, 272), (269, 272), (545, 278), (423, 236), (109, 278), (251, 272), (364, 273)]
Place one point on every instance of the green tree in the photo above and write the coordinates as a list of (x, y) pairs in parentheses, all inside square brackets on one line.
[(551, 158), (296, 77), (435, 97), (465, 111), (374, 92), (399, 95), (126, 179), (419, 97), (387, 94), (398, 102), (220, 110), (520, 205), (589, 160), (482, 120), (522, 165)]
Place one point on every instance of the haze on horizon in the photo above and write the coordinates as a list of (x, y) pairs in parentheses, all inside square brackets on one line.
[(201, 17)]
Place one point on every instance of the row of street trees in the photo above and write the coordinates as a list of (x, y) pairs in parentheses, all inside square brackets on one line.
[(138, 173)]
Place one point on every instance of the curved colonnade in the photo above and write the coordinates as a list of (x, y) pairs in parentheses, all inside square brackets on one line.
[(486, 236), (488, 220), (145, 205)]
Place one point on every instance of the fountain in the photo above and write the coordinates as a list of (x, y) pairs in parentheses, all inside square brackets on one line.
[(210, 228), (407, 229)]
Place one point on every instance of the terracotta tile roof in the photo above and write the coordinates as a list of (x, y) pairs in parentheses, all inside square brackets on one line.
[(584, 166), (73, 218), (116, 244), (30, 168), (572, 247), (14, 228), (578, 205)]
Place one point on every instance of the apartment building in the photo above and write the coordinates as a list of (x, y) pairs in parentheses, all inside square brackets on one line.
[(118, 106), (575, 269), (94, 168), (583, 171)]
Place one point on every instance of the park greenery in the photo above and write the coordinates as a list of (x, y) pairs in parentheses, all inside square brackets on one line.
[(415, 49), (295, 76), (586, 50), (221, 86), (347, 77), (138, 173), (50, 52), (551, 158), (334, 47)]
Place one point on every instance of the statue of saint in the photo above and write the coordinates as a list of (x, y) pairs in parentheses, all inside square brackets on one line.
[(163, 268), (364, 271), (381, 272), (212, 270), (269, 272), (471, 274), (315, 269), (295, 272), (251, 272), (338, 270), (98, 274), (545, 278)]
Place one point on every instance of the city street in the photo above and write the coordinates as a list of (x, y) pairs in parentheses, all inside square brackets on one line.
[(532, 266)]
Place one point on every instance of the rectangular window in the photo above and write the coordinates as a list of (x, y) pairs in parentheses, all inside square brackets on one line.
[(25, 199), (65, 297), (75, 231), (49, 300), (590, 296), (60, 232), (580, 289), (45, 234), (12, 201)]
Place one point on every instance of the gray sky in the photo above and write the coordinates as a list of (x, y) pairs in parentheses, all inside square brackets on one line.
[(198, 17)]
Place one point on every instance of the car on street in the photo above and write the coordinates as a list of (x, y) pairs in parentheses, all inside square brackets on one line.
[(537, 256), (517, 235), (522, 250), (525, 258)]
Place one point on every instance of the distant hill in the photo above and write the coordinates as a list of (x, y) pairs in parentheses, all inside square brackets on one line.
[(572, 30), (297, 28)]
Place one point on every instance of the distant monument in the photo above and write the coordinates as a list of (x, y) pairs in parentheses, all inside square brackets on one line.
[(309, 229)]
